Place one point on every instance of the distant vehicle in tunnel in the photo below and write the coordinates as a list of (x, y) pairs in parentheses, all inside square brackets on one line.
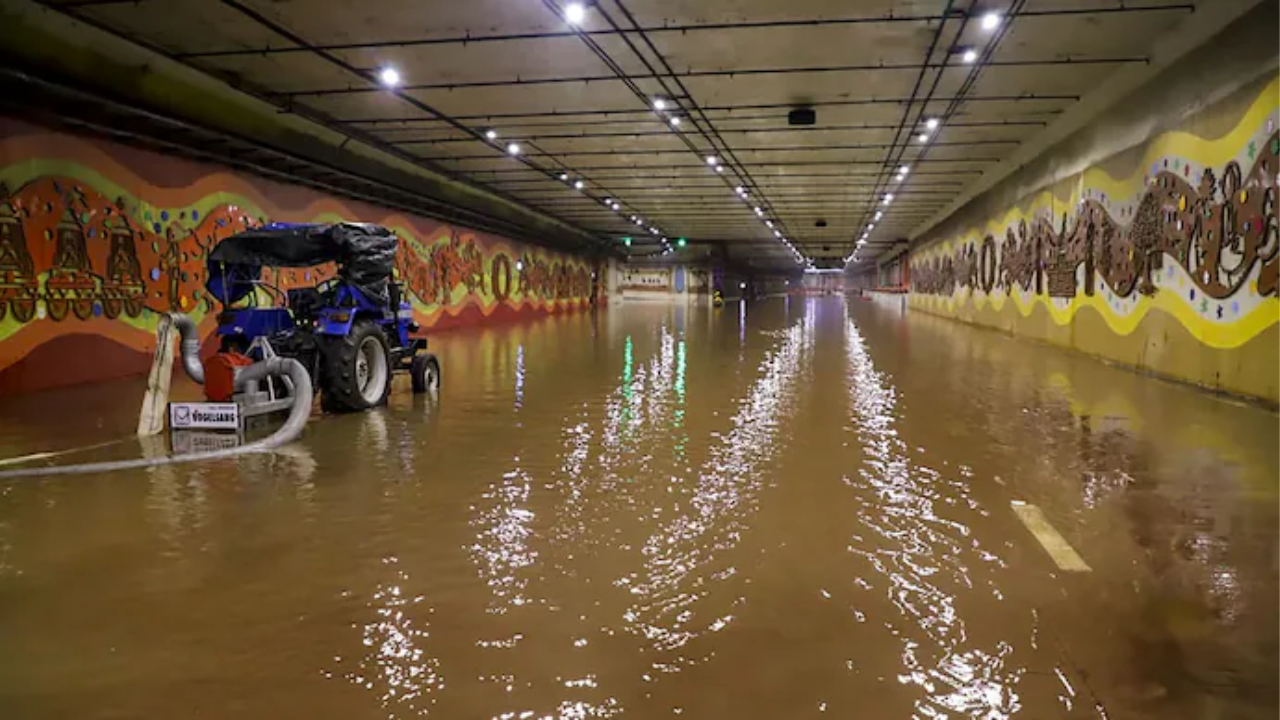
[(351, 332)]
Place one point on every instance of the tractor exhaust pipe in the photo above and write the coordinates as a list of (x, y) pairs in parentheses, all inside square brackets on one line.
[(190, 346)]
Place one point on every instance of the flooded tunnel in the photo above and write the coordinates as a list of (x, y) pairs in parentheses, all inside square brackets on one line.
[(790, 507), (628, 359)]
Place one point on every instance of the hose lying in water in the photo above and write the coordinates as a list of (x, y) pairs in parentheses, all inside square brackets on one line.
[(292, 428)]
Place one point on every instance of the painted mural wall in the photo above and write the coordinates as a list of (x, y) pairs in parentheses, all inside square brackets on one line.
[(1163, 257), (97, 240)]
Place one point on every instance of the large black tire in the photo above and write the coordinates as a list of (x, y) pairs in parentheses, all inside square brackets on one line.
[(355, 370), (425, 373)]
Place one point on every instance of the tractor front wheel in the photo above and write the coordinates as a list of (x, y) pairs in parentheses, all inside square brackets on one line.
[(355, 369), (425, 373)]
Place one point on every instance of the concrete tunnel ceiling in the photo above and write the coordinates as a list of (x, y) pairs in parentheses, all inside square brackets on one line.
[(577, 89)]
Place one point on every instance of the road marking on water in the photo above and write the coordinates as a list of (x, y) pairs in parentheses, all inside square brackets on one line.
[(1064, 556)]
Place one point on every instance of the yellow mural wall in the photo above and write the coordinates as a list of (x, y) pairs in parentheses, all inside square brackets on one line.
[(1163, 258)]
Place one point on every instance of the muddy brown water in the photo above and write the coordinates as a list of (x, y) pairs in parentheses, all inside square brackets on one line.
[(796, 508)]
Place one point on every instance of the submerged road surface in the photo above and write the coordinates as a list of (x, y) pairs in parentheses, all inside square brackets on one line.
[(796, 508)]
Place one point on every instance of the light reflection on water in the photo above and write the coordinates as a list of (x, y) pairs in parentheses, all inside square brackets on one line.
[(769, 512), (681, 557), (921, 557), (396, 666)]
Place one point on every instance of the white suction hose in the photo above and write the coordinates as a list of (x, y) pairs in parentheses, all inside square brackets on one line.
[(271, 367), (190, 346)]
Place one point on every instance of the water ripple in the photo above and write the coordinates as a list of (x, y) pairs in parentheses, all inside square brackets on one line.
[(921, 557)]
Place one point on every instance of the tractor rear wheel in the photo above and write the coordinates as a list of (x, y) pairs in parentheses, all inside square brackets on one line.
[(425, 373), (355, 370)]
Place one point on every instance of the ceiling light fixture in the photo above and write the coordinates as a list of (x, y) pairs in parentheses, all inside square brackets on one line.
[(575, 13), (564, 177), (491, 134), (617, 207), (389, 77), (578, 184), (659, 104), (769, 223), (675, 122), (712, 160), (923, 137), (969, 56), (904, 169), (931, 123), (759, 211), (513, 148), (991, 21)]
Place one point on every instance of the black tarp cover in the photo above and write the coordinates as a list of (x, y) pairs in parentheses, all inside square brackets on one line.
[(365, 255)]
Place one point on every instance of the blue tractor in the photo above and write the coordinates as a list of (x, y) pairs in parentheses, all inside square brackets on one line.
[(351, 332)]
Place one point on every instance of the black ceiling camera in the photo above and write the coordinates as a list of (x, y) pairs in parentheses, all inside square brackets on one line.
[(802, 116)]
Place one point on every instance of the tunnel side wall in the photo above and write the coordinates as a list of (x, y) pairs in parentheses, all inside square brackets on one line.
[(97, 240), (1161, 256)]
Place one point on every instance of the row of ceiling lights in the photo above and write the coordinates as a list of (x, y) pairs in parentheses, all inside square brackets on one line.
[(575, 13), (663, 105), (990, 21)]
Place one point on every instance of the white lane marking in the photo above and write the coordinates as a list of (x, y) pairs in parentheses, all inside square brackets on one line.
[(1064, 556)]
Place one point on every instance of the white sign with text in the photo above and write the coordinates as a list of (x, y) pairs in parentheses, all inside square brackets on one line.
[(204, 416)]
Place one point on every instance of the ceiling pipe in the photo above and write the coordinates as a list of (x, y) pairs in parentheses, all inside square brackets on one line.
[(729, 131), (647, 114), (645, 98), (768, 177), (522, 158), (724, 146), (780, 148), (469, 39), (797, 163), (972, 78), (744, 72)]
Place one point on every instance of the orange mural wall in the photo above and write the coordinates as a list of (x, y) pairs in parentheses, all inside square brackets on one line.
[(98, 240)]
